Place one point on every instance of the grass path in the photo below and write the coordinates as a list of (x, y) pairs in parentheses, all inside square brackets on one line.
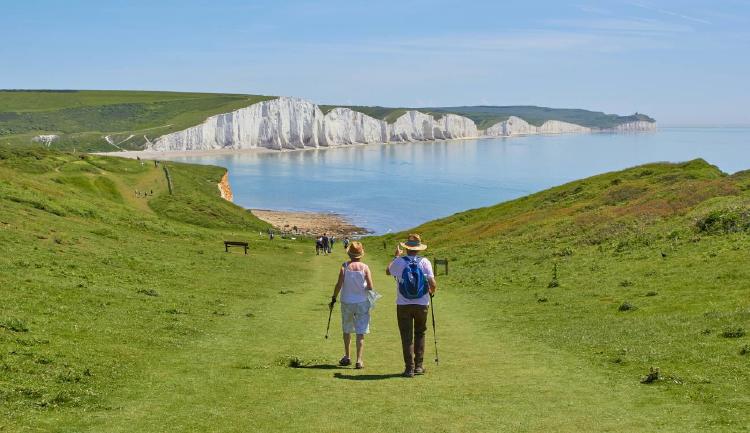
[(236, 377)]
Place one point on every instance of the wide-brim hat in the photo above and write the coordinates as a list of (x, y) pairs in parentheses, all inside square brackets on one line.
[(414, 243), (355, 250)]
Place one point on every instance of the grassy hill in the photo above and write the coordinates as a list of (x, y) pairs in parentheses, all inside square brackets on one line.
[(83, 118), (486, 115), (629, 270), (121, 311)]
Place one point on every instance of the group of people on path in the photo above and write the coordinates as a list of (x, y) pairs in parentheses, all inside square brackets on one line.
[(324, 244), (415, 285)]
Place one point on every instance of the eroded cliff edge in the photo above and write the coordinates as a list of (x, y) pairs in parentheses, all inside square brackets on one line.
[(294, 123)]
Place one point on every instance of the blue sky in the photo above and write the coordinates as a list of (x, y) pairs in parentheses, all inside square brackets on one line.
[(684, 62)]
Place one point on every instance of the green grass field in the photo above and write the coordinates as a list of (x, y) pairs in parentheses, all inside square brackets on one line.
[(123, 313), (83, 118)]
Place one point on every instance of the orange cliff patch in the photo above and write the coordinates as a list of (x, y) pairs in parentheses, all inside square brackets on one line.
[(225, 189)]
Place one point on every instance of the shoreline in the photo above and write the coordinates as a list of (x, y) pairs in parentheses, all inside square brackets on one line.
[(309, 223), (155, 154)]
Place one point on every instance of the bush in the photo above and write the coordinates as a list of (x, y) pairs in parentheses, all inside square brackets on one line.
[(724, 221), (627, 306)]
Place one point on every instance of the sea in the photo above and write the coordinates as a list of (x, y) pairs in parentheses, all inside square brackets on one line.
[(393, 187)]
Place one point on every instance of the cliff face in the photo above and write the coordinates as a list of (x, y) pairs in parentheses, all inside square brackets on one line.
[(517, 126), (293, 123), (638, 126)]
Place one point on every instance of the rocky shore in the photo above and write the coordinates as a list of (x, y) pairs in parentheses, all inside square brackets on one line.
[(309, 223)]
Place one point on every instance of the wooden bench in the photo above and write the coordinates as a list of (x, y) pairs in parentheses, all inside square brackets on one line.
[(441, 262), (228, 244)]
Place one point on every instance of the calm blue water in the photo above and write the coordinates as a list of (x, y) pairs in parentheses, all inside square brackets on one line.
[(397, 186)]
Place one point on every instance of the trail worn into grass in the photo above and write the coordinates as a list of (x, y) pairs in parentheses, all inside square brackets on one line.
[(237, 377)]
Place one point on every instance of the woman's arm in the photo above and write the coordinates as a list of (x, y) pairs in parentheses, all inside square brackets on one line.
[(337, 288), (368, 278)]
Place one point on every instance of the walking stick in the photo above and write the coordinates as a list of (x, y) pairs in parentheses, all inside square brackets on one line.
[(330, 313), (434, 334)]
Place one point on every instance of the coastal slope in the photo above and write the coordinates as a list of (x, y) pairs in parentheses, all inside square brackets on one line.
[(123, 312)]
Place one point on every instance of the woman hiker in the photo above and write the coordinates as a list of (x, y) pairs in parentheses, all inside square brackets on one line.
[(354, 281), (415, 284)]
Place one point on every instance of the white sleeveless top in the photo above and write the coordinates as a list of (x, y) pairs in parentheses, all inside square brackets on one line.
[(354, 289)]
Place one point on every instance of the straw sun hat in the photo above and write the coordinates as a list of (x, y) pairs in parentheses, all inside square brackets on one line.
[(414, 243), (355, 250)]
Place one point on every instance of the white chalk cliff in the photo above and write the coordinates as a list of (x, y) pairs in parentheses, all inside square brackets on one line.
[(517, 126), (293, 123), (637, 126)]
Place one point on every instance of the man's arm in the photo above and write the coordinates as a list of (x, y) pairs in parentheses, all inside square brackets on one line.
[(396, 255)]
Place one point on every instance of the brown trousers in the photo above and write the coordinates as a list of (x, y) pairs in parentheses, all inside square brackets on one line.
[(412, 323)]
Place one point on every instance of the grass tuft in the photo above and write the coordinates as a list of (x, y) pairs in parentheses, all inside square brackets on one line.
[(14, 325), (733, 333)]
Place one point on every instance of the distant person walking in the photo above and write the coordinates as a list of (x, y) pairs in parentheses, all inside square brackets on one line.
[(333, 241), (318, 245), (415, 283), (326, 244), (355, 279), (346, 242)]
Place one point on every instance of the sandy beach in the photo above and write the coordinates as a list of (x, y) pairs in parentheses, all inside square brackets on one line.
[(309, 223)]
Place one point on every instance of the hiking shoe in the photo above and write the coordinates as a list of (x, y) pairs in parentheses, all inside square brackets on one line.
[(420, 370), (345, 361), (408, 373), (359, 366)]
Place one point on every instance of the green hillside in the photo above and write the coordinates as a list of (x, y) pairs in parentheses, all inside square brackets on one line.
[(628, 270), (83, 118), (121, 311), (485, 115)]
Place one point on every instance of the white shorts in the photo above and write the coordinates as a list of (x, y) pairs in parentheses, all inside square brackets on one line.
[(355, 318)]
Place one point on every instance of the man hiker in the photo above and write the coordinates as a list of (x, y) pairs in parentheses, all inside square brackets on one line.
[(326, 243), (415, 284)]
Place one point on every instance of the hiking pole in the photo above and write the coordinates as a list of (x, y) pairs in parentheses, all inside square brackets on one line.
[(330, 313), (434, 334)]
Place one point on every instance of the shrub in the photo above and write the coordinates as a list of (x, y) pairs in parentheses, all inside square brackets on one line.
[(652, 376), (723, 221), (626, 306), (733, 333), (744, 350)]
